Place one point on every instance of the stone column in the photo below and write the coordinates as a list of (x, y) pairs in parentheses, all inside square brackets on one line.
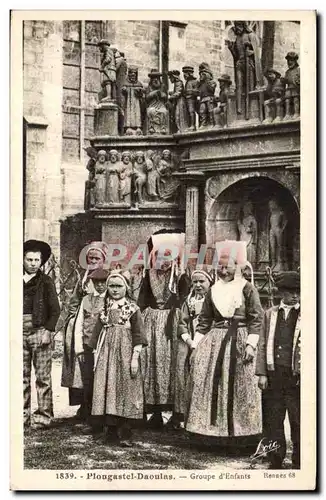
[(192, 181)]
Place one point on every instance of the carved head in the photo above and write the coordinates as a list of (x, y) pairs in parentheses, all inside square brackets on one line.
[(273, 205), (126, 156), (248, 208), (188, 72), (103, 45), (101, 156), (113, 153), (150, 154), (292, 60), (271, 75), (225, 82), (241, 27), (173, 75), (140, 157), (166, 155), (155, 79), (132, 74)]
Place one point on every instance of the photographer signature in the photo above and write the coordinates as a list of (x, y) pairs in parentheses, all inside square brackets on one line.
[(263, 449)]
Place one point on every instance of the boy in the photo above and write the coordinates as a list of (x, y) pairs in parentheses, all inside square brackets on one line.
[(79, 330), (278, 368), (41, 311)]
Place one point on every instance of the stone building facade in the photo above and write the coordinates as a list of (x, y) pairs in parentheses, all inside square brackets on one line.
[(217, 168)]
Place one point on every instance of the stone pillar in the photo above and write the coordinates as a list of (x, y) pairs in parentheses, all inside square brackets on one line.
[(192, 181), (106, 119), (35, 224)]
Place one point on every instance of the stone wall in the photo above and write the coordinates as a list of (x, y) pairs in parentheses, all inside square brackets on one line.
[(287, 39), (42, 65)]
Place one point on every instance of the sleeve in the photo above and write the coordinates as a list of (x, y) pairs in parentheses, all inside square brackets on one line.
[(254, 314), (53, 306), (75, 299), (206, 316), (137, 329), (144, 293), (261, 362), (95, 334), (183, 326)]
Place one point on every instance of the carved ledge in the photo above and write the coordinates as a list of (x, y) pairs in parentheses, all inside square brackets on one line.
[(35, 121)]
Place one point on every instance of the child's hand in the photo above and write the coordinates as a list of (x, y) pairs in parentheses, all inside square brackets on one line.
[(134, 365), (263, 382)]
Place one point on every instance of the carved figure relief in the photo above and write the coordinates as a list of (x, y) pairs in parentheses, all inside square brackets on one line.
[(177, 102), (156, 98), (121, 77), (278, 223), (140, 176), (191, 94), (220, 111), (112, 190), (108, 72), (247, 65), (89, 199), (100, 178), (168, 185), (292, 92), (133, 93), (206, 89), (125, 173), (247, 228), (273, 96), (152, 176)]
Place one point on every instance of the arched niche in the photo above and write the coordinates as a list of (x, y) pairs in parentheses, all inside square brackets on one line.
[(226, 208)]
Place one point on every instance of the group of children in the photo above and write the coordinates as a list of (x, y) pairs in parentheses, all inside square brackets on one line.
[(210, 355), (190, 353)]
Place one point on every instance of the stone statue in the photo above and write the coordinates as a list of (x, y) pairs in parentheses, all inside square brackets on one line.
[(206, 88), (292, 81), (133, 93), (100, 178), (121, 77), (247, 227), (168, 185), (108, 72), (156, 98), (89, 199), (220, 111), (178, 102), (191, 93), (125, 172), (112, 194), (140, 175), (278, 222), (273, 96), (247, 65), (152, 176)]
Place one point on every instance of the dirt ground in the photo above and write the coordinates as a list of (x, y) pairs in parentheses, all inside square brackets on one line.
[(68, 445)]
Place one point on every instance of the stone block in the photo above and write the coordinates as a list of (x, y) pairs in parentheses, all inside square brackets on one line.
[(106, 119)]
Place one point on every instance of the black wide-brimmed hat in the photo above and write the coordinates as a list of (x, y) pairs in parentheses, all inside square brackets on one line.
[(38, 246), (287, 280)]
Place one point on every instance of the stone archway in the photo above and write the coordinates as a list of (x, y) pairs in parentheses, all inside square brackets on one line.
[(227, 209)]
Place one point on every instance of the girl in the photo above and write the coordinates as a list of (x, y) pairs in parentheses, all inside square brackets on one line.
[(200, 283), (159, 299), (224, 399), (118, 338)]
